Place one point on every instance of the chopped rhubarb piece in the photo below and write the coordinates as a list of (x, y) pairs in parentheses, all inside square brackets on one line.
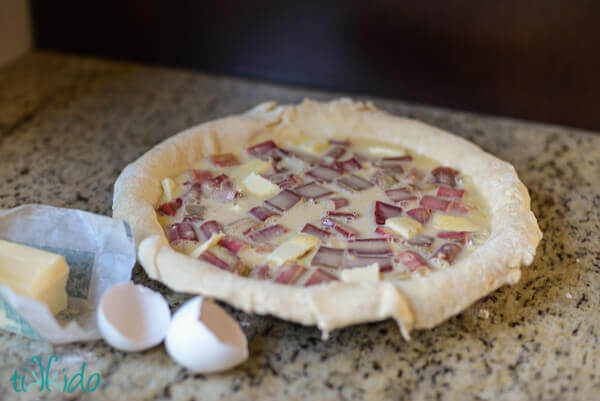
[(217, 182), (283, 200), (400, 195), (260, 271), (213, 259), (181, 231), (411, 260), (170, 208), (394, 163), (421, 214), (232, 244), (278, 168), (312, 190), (346, 215), (193, 210), (385, 181), (375, 247), (422, 241), (262, 213), (445, 175), (341, 228), (387, 233), (319, 277), (456, 236), (450, 192), (200, 176), (339, 203), (209, 228), (316, 232), (336, 152), (324, 173), (224, 160), (385, 263), (263, 148), (351, 164), (435, 203), (384, 211), (414, 175), (345, 142), (447, 252), (267, 233), (225, 194), (192, 219), (284, 180), (460, 207), (354, 183), (328, 257), (290, 274)]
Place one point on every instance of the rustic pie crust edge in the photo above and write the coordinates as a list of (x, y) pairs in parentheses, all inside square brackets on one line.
[(419, 302)]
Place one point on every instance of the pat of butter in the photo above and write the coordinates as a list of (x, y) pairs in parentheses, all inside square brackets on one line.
[(256, 166), (169, 188), (292, 249), (452, 223), (404, 226), (360, 274), (259, 186), (35, 273), (385, 151), (209, 243)]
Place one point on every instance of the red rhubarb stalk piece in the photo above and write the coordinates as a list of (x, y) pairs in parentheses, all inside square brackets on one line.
[(267, 233), (316, 232), (290, 274), (312, 190), (339, 203), (347, 215), (170, 208), (209, 228), (384, 211), (432, 202), (323, 173), (460, 207), (447, 252), (232, 244), (262, 213), (375, 247), (213, 259), (422, 241), (444, 175), (283, 200), (319, 277), (351, 164), (450, 192), (341, 228), (181, 231), (387, 233), (328, 257), (400, 194), (411, 260), (421, 214), (354, 182), (224, 160), (456, 236), (263, 149), (284, 180), (200, 176), (336, 152)]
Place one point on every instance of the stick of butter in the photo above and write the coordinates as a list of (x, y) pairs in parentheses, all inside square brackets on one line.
[(35, 273)]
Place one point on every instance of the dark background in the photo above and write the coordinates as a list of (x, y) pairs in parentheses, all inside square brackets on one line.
[(533, 59)]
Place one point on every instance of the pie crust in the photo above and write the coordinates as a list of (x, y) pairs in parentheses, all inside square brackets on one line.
[(419, 302)]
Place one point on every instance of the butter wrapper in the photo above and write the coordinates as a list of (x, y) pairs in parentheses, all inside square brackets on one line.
[(100, 252)]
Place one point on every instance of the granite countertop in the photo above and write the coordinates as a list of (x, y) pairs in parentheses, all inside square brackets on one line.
[(68, 126)]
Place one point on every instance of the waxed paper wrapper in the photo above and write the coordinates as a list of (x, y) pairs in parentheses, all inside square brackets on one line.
[(100, 252)]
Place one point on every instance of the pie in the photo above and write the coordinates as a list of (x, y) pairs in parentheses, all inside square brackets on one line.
[(328, 214)]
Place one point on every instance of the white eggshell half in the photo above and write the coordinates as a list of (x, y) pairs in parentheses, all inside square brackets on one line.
[(204, 338), (132, 317)]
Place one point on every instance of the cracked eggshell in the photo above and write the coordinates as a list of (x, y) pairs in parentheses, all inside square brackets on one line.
[(132, 317), (204, 338)]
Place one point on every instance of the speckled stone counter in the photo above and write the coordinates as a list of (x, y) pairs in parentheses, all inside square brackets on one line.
[(69, 125)]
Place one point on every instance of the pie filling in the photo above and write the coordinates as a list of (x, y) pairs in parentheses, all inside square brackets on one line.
[(308, 213)]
